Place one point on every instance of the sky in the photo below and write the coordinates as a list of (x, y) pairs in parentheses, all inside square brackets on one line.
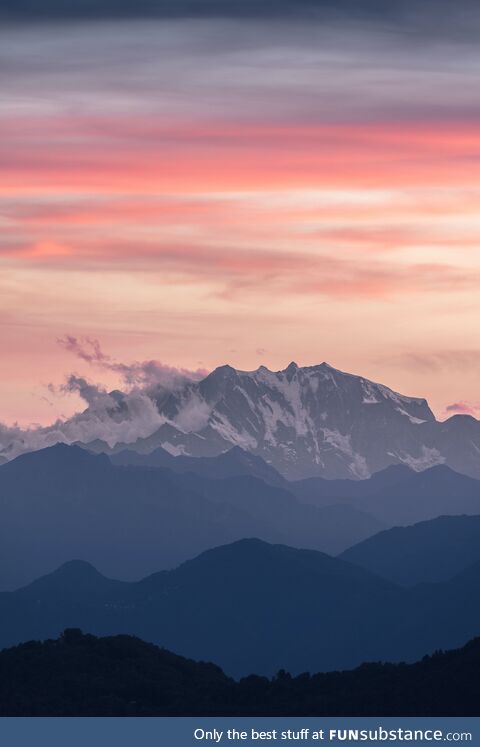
[(194, 184)]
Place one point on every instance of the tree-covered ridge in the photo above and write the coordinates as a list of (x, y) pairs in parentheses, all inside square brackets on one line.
[(82, 675)]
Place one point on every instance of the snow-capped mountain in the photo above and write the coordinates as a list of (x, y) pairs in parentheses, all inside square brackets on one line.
[(310, 421)]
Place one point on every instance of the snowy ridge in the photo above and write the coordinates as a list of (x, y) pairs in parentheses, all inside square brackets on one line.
[(305, 422)]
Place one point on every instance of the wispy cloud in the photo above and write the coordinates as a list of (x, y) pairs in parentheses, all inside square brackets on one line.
[(111, 416), (145, 374), (449, 360), (404, 16), (299, 186)]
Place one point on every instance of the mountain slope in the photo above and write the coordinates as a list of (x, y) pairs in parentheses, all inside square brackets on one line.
[(398, 495), (314, 421), (64, 502), (321, 492), (424, 495), (446, 614), (430, 551), (248, 606), (81, 675), (302, 421), (232, 463)]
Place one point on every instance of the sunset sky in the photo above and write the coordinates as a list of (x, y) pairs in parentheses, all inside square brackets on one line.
[(253, 190)]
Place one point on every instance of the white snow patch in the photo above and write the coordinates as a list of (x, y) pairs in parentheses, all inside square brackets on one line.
[(428, 458), (411, 418), (358, 464), (173, 449), (228, 432), (399, 399), (295, 414), (370, 395), (314, 383)]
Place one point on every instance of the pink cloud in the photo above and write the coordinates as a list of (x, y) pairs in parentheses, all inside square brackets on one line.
[(463, 408), (143, 153), (145, 374)]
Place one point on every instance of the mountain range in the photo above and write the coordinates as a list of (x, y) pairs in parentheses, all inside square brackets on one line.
[(398, 495), (426, 552), (254, 607), (232, 463), (130, 520), (63, 502), (248, 607), (305, 422)]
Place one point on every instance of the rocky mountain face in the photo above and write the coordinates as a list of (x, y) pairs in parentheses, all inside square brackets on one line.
[(313, 421)]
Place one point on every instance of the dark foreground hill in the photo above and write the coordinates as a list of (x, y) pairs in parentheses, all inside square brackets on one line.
[(81, 675)]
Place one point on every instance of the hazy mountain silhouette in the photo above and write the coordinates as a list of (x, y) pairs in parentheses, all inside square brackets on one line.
[(248, 606), (425, 495), (430, 551), (254, 607), (64, 502), (446, 614), (232, 463), (398, 495), (321, 492)]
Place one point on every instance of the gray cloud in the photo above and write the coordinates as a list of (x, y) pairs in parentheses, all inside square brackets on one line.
[(111, 416), (90, 351), (224, 70), (200, 8), (145, 374), (412, 13)]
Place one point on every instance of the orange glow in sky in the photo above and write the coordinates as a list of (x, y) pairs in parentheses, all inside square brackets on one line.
[(207, 215)]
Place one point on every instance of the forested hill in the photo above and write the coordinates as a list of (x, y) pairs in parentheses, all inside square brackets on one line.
[(82, 675)]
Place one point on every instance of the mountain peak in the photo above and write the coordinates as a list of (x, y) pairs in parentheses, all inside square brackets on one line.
[(304, 421), (76, 568), (59, 455), (70, 577)]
